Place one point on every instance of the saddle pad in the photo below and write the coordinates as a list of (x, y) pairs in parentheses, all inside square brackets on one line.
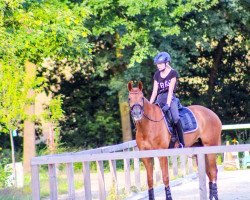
[(188, 121)]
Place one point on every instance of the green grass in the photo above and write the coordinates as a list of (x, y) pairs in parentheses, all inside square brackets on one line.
[(14, 194)]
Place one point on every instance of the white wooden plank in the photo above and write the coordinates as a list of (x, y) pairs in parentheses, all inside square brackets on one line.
[(86, 181), (235, 126), (101, 180), (112, 166), (202, 176), (53, 182), (35, 182), (139, 154), (70, 178)]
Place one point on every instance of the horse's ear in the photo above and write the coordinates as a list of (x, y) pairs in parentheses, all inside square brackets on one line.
[(140, 85), (130, 85)]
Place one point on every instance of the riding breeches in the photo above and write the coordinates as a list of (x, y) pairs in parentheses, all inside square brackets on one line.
[(162, 100)]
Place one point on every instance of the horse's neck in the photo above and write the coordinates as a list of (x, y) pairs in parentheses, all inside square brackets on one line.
[(152, 111), (149, 108)]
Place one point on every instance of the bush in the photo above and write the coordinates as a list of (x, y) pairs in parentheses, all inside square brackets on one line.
[(4, 173)]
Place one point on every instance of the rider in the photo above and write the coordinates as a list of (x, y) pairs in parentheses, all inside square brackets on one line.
[(165, 82)]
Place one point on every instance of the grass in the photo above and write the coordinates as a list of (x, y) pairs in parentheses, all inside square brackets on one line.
[(14, 194)]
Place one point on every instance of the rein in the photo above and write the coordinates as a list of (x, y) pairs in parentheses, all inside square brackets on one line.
[(152, 119)]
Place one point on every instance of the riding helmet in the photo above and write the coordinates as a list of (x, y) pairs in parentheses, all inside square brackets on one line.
[(162, 57)]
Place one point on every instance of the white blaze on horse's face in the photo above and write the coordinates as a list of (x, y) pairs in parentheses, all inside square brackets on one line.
[(136, 104), (136, 101)]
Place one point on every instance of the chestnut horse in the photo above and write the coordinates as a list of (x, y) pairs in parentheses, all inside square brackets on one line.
[(152, 133)]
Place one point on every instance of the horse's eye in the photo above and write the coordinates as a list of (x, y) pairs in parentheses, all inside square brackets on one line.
[(128, 99)]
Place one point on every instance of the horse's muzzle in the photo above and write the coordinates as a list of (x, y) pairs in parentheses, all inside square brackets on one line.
[(137, 112)]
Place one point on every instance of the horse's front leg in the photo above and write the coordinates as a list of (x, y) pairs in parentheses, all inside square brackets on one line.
[(165, 176), (149, 168), (211, 170)]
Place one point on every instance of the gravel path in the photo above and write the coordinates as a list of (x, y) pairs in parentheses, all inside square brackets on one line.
[(232, 185)]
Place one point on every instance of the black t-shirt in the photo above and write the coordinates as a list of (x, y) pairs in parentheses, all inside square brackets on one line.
[(163, 83)]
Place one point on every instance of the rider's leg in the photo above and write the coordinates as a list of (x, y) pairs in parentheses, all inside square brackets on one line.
[(175, 114)]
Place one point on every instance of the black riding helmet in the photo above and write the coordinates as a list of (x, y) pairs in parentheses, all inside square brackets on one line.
[(162, 57)]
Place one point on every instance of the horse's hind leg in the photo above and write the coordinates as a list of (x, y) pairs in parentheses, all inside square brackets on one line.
[(165, 176), (211, 170), (149, 168)]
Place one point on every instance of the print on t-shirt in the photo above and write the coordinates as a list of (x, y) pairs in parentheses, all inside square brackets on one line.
[(163, 83)]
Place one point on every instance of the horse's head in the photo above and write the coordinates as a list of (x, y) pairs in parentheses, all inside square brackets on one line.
[(136, 100)]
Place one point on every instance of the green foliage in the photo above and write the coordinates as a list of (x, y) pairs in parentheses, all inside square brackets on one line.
[(4, 173), (13, 96), (93, 119), (35, 30)]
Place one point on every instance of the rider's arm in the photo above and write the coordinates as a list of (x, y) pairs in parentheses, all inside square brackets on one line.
[(171, 90), (154, 93)]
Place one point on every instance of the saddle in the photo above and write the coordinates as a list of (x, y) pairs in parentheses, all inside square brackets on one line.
[(187, 118), (188, 121)]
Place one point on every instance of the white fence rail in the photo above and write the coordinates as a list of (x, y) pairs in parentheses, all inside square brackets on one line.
[(110, 154)]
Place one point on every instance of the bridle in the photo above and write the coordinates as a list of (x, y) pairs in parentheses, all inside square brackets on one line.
[(141, 109)]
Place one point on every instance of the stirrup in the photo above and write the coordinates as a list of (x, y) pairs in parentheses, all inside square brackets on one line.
[(181, 146)]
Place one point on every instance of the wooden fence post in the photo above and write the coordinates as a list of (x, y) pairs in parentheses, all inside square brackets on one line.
[(137, 171), (86, 180), (202, 176), (35, 182), (190, 164), (112, 166), (70, 177), (53, 182), (157, 169), (175, 165), (127, 175), (183, 164), (101, 180)]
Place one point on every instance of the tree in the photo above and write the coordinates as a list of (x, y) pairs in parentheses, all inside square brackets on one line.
[(126, 33), (14, 87), (32, 31)]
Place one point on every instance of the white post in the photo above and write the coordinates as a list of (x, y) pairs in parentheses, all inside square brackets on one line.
[(35, 182), (202, 176)]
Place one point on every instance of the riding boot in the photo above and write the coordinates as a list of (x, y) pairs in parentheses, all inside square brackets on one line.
[(151, 194), (180, 133)]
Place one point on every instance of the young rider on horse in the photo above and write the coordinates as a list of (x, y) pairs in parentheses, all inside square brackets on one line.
[(164, 89)]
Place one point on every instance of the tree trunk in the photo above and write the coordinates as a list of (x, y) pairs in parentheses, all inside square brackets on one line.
[(13, 158), (125, 120), (29, 150), (217, 59)]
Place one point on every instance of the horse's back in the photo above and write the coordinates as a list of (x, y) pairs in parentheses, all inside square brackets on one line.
[(209, 125)]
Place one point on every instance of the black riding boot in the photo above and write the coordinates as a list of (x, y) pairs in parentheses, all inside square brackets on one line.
[(151, 194), (213, 192), (168, 193), (180, 133)]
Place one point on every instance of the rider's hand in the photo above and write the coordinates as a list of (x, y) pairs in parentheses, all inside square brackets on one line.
[(165, 108)]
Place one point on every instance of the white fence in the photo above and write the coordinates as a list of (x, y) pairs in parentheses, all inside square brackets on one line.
[(111, 154)]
